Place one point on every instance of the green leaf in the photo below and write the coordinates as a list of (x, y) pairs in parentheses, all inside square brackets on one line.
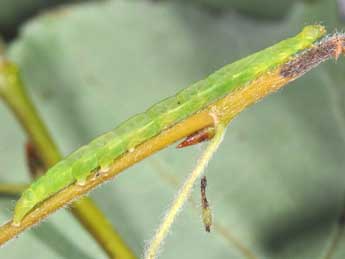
[(275, 9), (14, 12), (276, 186)]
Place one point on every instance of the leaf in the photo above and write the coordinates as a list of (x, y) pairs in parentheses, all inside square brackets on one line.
[(14, 12), (276, 184), (271, 9)]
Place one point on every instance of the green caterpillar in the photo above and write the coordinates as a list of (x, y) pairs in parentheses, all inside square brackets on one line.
[(101, 152)]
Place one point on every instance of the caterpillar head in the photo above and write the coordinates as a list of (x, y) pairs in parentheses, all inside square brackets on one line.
[(23, 206), (313, 31)]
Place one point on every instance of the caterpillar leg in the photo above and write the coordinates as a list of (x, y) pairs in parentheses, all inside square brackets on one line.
[(81, 182), (183, 194), (84, 161), (81, 177)]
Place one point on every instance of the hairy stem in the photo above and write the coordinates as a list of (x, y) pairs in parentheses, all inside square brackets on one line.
[(183, 195), (224, 109), (14, 95)]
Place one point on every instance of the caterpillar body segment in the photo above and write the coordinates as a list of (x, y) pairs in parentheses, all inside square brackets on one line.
[(102, 151), (83, 162), (137, 128), (113, 149), (56, 179)]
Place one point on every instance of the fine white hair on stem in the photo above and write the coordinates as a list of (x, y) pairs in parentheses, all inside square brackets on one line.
[(183, 194)]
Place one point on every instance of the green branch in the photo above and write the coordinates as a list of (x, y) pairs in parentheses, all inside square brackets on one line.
[(14, 95), (7, 189)]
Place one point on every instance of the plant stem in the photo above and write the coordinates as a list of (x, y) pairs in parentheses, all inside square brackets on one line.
[(15, 96), (183, 195), (224, 109), (7, 189)]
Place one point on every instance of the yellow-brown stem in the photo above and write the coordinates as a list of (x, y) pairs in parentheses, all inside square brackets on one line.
[(225, 109)]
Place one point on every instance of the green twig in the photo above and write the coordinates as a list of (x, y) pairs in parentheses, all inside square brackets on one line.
[(7, 189), (14, 95), (224, 110)]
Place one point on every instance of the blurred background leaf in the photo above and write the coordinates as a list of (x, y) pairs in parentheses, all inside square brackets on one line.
[(276, 185), (259, 9), (14, 12)]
